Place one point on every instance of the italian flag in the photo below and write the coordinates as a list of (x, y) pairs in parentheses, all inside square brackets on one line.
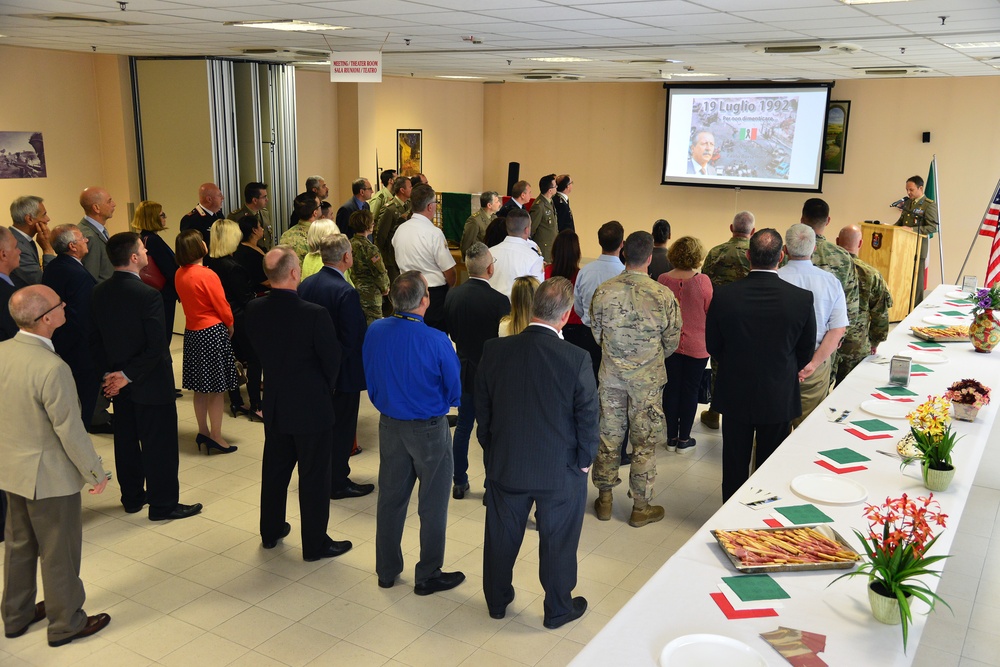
[(748, 134)]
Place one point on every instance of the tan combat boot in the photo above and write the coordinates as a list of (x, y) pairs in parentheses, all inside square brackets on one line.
[(710, 418), (603, 505), (643, 514)]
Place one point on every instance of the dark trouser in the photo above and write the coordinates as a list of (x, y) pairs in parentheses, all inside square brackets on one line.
[(3, 514), (50, 529), (738, 445), (463, 433), (434, 317), (169, 307), (680, 395), (345, 428), (243, 350), (312, 453), (411, 451), (559, 515), (146, 457)]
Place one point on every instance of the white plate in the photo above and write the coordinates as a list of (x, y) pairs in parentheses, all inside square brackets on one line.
[(947, 320), (920, 357), (888, 409), (829, 489), (708, 651)]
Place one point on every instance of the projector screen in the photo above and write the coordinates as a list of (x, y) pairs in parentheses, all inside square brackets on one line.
[(759, 137)]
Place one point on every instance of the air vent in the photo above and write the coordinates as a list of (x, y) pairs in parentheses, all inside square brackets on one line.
[(893, 71), (803, 48), (538, 77), (259, 52), (799, 48), (73, 18), (551, 76), (310, 54)]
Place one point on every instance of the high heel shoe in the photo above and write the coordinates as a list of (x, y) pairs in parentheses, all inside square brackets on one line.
[(238, 410), (200, 439), (212, 444), (255, 414)]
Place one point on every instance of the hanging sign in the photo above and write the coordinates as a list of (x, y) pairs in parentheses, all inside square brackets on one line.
[(356, 66)]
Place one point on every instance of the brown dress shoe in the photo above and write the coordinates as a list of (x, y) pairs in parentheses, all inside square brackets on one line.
[(39, 615), (94, 625)]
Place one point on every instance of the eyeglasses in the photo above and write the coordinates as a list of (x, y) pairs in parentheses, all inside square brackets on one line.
[(61, 303)]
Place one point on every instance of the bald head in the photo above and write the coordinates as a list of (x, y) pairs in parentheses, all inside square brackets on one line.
[(210, 197), (36, 308), (97, 203), (850, 239), (282, 268)]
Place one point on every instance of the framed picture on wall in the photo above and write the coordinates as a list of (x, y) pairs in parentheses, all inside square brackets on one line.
[(409, 152), (838, 113), (22, 155)]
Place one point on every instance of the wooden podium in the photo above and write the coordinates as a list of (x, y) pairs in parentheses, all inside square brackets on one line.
[(893, 251)]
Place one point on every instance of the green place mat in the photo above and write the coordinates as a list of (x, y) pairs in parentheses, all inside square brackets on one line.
[(917, 368), (924, 343), (845, 454), (802, 514), (894, 390), (752, 587), (953, 313), (872, 426)]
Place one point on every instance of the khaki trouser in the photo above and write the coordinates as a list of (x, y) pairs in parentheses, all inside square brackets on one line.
[(813, 390)]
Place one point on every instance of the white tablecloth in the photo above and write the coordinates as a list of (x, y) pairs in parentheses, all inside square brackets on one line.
[(675, 601)]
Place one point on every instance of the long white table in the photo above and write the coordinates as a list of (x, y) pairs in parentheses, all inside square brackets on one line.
[(675, 601)]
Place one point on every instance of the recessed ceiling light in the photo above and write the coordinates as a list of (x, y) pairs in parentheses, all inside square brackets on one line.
[(457, 76), (287, 25), (869, 2), (974, 45), (561, 59)]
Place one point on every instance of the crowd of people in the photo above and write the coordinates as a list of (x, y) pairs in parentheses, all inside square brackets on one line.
[(564, 371)]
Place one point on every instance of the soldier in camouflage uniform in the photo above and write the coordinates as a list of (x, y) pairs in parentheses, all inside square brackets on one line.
[(829, 257), (383, 196), (368, 273), (475, 226), (872, 325), (637, 322), (305, 209), (393, 214), (921, 215), (724, 264), (544, 225)]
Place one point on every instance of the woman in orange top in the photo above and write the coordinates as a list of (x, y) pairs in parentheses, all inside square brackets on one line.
[(209, 365)]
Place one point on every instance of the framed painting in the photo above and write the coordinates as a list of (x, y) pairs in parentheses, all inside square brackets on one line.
[(838, 113), (409, 152), (22, 155)]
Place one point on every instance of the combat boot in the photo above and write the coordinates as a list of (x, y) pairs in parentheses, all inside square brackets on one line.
[(643, 515), (710, 418), (603, 505)]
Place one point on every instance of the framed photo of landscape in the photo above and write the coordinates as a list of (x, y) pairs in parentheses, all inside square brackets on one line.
[(838, 114), (409, 152)]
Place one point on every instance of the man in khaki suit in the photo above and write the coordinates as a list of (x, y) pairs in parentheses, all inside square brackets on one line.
[(47, 456)]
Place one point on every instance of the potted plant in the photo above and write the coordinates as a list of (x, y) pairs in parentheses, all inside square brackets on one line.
[(934, 441), (968, 396), (899, 536), (984, 330)]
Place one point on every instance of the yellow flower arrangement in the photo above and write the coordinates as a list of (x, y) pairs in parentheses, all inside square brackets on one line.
[(930, 425)]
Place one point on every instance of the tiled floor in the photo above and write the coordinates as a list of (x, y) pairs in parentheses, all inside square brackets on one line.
[(203, 592)]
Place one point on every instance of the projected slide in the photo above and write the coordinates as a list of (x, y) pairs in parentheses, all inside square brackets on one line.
[(768, 138)]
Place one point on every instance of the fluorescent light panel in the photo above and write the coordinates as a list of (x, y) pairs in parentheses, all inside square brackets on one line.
[(870, 2), (974, 45), (562, 59), (287, 26)]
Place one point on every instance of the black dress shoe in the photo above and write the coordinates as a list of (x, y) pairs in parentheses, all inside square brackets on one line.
[(107, 428), (502, 611), (579, 606), (458, 491), (386, 583), (94, 625), (270, 544), (351, 490), (132, 509), (39, 616), (443, 582), (179, 512), (331, 550)]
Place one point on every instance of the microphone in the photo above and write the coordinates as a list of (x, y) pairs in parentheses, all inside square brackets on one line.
[(898, 203)]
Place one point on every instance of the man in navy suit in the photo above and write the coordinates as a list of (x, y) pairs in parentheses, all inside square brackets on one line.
[(536, 402), (329, 288), (362, 192), (68, 277), (762, 331)]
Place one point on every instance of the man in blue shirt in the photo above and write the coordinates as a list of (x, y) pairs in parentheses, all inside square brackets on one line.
[(413, 378)]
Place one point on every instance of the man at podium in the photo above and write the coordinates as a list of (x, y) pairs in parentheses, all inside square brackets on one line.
[(921, 214)]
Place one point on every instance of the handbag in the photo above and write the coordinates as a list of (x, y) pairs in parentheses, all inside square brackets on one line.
[(705, 387), (152, 276), (241, 373)]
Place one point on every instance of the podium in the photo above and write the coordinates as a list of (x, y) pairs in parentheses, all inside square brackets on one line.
[(893, 251)]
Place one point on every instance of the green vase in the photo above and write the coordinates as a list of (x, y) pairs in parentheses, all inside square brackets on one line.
[(984, 332), (885, 608), (938, 480)]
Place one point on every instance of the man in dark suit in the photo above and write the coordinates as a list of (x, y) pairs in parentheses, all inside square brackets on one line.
[(300, 355), (127, 339), (206, 212), (30, 224), (329, 288), (361, 191), (472, 314), (73, 283), (536, 401), (98, 207), (762, 331)]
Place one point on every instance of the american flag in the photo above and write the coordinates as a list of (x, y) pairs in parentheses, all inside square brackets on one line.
[(989, 228)]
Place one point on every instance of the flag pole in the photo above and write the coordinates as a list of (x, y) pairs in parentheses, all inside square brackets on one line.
[(996, 191), (937, 200)]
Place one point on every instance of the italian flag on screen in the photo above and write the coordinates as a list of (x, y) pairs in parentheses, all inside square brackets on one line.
[(748, 134)]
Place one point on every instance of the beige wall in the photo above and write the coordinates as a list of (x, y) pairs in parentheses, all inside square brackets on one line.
[(610, 138), (316, 123), (78, 102)]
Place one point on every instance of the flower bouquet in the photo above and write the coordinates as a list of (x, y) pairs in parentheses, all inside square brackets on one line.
[(984, 332), (987, 298), (934, 441), (968, 396), (899, 536)]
